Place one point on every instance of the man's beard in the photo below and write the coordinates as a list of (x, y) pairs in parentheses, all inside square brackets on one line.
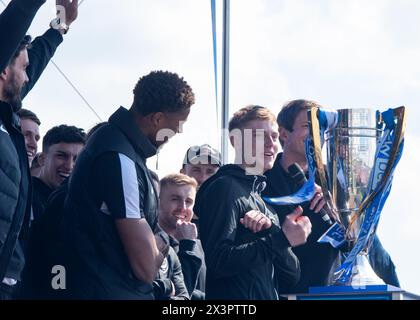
[(11, 93)]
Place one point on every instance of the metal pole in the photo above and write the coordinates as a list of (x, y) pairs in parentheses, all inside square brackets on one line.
[(225, 80)]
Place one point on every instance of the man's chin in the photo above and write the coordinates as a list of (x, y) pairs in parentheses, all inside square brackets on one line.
[(268, 165)]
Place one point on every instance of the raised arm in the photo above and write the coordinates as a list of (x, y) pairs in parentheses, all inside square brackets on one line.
[(14, 23), (43, 47)]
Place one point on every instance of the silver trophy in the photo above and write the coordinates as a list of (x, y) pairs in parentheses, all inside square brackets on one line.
[(356, 178)]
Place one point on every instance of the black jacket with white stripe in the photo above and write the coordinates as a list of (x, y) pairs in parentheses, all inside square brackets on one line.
[(98, 267)]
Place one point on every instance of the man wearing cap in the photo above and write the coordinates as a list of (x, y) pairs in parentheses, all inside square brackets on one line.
[(201, 162)]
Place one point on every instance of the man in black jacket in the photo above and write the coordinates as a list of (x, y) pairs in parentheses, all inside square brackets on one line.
[(246, 249), (111, 208), (317, 260), (61, 146), (15, 178), (15, 183), (177, 196)]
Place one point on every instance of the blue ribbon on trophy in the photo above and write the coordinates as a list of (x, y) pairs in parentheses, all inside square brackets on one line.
[(358, 216), (374, 209), (389, 147), (304, 194)]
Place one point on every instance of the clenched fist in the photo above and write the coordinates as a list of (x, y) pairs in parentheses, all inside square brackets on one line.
[(296, 227)]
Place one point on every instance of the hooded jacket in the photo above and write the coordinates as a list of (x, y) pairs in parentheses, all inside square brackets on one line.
[(241, 264), (97, 264)]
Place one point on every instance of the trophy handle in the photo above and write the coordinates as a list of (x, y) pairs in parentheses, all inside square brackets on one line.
[(315, 133), (400, 116)]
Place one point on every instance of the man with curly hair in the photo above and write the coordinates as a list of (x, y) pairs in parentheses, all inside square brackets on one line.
[(111, 207)]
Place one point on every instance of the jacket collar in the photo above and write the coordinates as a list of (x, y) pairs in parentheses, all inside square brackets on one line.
[(125, 122), (41, 187), (257, 182)]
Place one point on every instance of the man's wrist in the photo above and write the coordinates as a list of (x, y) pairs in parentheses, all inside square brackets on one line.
[(59, 25)]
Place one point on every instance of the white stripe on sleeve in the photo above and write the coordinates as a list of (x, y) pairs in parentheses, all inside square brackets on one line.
[(130, 187)]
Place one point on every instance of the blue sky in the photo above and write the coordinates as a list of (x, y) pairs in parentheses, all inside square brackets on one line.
[(343, 54)]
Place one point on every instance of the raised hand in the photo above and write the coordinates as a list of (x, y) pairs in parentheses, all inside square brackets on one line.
[(318, 201), (185, 230), (67, 10), (296, 227)]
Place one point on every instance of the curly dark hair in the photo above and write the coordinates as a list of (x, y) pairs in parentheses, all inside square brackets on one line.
[(162, 91), (63, 134)]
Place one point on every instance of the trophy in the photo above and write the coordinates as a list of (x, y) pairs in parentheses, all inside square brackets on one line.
[(363, 147)]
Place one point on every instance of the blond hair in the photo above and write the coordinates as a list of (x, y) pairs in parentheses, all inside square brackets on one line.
[(178, 179), (249, 113)]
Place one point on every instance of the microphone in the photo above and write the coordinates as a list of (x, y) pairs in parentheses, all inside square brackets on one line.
[(299, 178)]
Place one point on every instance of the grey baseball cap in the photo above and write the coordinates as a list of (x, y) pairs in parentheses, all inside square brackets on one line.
[(203, 154)]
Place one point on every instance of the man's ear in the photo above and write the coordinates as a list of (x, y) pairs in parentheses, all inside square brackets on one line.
[(232, 140), (4, 74), (157, 118), (41, 159), (283, 135), (182, 170)]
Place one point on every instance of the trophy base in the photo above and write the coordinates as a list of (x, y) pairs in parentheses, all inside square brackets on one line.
[(376, 292), (349, 289), (362, 274)]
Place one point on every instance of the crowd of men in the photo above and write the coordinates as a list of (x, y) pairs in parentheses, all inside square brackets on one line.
[(86, 219)]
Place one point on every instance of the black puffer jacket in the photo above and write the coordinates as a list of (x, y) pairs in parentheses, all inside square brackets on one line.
[(15, 190), (241, 264), (15, 182)]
